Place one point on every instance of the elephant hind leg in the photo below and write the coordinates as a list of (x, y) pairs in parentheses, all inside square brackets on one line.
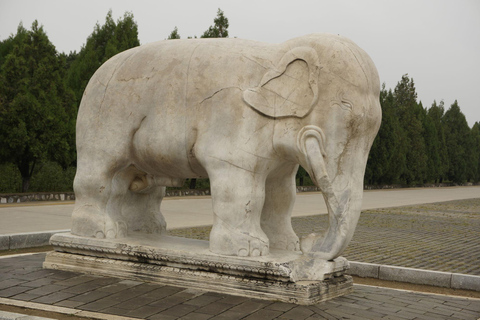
[(111, 202), (276, 221), (141, 207), (94, 214)]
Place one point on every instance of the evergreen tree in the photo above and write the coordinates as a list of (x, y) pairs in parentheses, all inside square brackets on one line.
[(409, 114), (36, 108), (435, 113), (456, 136), (300, 175), (387, 160), (174, 34), (105, 42), (475, 132), (432, 146), (471, 157), (6, 46), (219, 28)]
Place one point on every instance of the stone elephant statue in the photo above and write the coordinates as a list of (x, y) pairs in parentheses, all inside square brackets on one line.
[(243, 113)]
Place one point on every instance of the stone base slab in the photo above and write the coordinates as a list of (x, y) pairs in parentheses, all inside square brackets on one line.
[(283, 275)]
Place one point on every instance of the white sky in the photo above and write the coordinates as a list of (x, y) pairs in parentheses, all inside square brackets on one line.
[(437, 42)]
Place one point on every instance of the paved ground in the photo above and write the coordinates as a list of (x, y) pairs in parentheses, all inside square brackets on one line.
[(197, 211), (435, 236), (23, 279), (442, 236)]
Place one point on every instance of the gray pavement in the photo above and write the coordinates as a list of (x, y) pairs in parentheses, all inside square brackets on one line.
[(430, 241), (197, 211), (24, 283), (443, 236), (435, 244)]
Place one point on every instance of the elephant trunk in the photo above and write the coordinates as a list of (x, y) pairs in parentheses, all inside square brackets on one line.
[(343, 198)]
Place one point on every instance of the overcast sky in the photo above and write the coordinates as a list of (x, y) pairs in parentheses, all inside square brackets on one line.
[(437, 42)]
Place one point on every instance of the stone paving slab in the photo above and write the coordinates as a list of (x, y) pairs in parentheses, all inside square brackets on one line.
[(442, 236), (18, 316), (22, 279)]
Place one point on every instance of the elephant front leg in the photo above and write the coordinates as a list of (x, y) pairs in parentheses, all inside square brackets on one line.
[(238, 198), (276, 221)]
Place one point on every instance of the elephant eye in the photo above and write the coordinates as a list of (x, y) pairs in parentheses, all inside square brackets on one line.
[(347, 104)]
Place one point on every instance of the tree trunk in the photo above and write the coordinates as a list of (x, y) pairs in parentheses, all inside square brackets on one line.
[(193, 183), (25, 184), (26, 173)]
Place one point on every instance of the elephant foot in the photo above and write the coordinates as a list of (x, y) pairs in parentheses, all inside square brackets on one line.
[(309, 241), (237, 243), (287, 241), (89, 221), (153, 223), (115, 229)]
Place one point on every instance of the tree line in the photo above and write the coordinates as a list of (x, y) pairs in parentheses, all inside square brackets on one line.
[(418, 145), (41, 89)]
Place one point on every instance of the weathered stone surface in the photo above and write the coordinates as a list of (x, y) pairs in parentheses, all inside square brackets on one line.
[(243, 113), (186, 262), (282, 265)]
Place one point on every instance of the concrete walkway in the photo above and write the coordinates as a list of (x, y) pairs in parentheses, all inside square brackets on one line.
[(197, 211)]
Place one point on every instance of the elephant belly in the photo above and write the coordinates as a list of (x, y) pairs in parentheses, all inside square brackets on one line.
[(159, 148)]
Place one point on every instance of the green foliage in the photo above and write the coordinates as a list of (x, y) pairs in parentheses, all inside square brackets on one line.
[(48, 177), (219, 28), (41, 89), (415, 145), (387, 158), (457, 135), (432, 148), (36, 108), (6, 46), (475, 152), (300, 176), (11, 180), (174, 34), (52, 177), (435, 113), (409, 114), (104, 42)]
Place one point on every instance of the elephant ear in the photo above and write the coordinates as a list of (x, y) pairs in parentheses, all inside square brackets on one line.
[(291, 89)]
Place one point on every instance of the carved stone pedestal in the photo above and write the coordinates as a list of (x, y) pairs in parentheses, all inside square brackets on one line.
[(283, 275)]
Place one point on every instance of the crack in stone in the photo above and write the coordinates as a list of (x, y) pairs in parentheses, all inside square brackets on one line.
[(232, 164), (218, 91)]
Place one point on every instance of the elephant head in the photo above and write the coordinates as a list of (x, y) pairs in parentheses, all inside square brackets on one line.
[(323, 95)]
